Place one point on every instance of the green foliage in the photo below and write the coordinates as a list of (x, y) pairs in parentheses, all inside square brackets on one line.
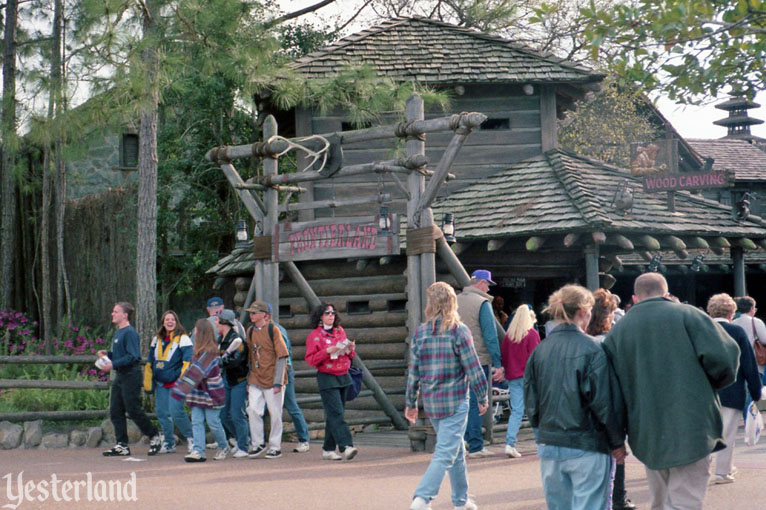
[(18, 336), (604, 127), (688, 49)]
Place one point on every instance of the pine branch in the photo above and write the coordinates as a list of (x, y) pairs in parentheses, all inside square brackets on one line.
[(298, 13)]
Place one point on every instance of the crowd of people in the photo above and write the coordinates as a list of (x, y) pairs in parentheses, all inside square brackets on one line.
[(228, 377), (666, 381)]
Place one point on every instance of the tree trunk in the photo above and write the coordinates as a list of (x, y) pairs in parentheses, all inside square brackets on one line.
[(45, 262), (59, 139), (8, 184), (146, 270)]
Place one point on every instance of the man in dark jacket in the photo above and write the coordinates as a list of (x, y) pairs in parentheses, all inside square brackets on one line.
[(670, 359), (235, 369), (721, 308)]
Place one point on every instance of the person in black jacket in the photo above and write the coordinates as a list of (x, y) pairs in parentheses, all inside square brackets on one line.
[(721, 307), (573, 402), (234, 364)]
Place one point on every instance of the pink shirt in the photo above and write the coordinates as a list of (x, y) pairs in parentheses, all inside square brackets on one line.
[(515, 356)]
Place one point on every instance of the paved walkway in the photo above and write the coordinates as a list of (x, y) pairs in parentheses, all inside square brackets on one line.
[(379, 478)]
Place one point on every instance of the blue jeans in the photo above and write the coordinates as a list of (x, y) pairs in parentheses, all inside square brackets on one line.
[(233, 415), (292, 408), (213, 418), (516, 394), (473, 430), (449, 457), (575, 479), (170, 411)]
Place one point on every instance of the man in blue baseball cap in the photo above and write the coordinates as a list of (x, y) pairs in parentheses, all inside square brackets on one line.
[(474, 305), (214, 306)]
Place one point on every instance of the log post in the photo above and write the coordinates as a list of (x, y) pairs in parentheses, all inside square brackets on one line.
[(415, 186), (271, 200), (738, 258), (591, 267)]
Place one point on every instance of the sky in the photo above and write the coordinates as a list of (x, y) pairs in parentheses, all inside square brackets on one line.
[(689, 121)]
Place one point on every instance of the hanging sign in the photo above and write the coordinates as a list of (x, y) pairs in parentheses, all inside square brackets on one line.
[(685, 181), (336, 238)]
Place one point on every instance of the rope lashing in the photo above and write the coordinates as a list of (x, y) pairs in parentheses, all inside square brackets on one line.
[(422, 240)]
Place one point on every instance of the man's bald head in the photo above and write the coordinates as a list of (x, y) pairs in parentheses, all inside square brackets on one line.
[(649, 285)]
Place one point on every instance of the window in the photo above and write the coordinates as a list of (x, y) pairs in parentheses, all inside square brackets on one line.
[(129, 150), (285, 311), (397, 305), (358, 307), (495, 124)]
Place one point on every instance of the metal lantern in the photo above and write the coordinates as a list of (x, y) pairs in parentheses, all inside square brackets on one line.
[(241, 235), (384, 218), (448, 228)]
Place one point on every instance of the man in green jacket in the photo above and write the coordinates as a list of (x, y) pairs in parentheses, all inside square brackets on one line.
[(670, 360)]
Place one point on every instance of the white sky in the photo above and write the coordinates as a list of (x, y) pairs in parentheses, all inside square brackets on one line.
[(689, 121)]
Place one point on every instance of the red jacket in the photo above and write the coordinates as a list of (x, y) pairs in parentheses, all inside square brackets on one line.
[(515, 356), (316, 351)]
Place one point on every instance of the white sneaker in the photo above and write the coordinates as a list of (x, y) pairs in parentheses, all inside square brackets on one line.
[(222, 454), (330, 455), (512, 452), (480, 454), (240, 454), (420, 504), (232, 442), (469, 505), (167, 449), (718, 479), (211, 446), (349, 453), (190, 445), (302, 448)]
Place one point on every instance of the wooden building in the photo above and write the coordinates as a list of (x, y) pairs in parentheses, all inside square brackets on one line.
[(536, 216)]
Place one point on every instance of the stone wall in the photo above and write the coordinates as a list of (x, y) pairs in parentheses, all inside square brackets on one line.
[(98, 168)]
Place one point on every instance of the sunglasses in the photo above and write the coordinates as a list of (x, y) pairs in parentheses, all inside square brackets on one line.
[(329, 312)]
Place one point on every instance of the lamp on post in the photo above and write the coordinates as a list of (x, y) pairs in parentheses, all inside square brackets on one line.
[(384, 218), (241, 235), (655, 264), (697, 264), (448, 228)]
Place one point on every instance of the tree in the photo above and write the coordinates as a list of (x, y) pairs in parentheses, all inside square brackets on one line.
[(9, 146), (604, 127), (687, 49)]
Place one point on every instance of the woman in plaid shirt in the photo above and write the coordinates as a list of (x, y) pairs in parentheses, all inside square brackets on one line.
[(443, 362)]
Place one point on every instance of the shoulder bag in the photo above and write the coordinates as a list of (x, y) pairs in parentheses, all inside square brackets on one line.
[(760, 349)]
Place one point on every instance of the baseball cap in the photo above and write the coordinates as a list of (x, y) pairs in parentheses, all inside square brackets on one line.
[(483, 274), (227, 317), (259, 306), (214, 301)]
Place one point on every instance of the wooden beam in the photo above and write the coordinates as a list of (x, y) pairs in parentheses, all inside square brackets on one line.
[(720, 242), (645, 255), (674, 242), (616, 261), (534, 243), (718, 250), (738, 258), (697, 242), (496, 244), (334, 203), (607, 281), (445, 163), (649, 242), (622, 241), (744, 242), (548, 122), (681, 254), (605, 265), (460, 247), (571, 238), (761, 243), (380, 396), (598, 237), (591, 267)]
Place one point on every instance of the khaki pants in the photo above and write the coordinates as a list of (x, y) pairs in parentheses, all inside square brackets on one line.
[(724, 458), (680, 487)]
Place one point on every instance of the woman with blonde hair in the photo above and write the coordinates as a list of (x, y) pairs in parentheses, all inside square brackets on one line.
[(443, 363), (573, 401), (515, 349)]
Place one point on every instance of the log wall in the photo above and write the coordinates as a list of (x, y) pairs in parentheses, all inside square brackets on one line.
[(371, 302)]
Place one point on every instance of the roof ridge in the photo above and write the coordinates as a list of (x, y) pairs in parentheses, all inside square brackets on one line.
[(579, 195), (402, 20)]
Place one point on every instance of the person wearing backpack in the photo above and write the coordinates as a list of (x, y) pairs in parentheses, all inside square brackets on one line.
[(234, 365), (267, 377)]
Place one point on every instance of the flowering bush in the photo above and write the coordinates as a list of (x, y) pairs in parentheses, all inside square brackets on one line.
[(18, 336)]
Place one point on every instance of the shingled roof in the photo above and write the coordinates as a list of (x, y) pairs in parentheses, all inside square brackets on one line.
[(560, 192), (430, 51), (747, 161)]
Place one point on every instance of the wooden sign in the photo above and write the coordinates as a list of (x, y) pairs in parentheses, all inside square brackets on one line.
[(336, 238), (685, 181)]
